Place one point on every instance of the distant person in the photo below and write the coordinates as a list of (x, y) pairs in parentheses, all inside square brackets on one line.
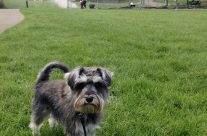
[(83, 4)]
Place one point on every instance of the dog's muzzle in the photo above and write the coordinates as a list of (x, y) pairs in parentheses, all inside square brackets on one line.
[(88, 104)]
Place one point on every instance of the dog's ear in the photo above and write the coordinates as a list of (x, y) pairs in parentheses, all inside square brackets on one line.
[(73, 76), (106, 75), (70, 79), (81, 71)]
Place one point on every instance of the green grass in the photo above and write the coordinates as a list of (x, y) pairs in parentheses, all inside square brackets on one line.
[(159, 59)]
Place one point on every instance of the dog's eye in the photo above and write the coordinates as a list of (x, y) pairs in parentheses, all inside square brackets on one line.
[(80, 86), (99, 85)]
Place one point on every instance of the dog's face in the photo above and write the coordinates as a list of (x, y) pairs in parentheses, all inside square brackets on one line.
[(90, 86)]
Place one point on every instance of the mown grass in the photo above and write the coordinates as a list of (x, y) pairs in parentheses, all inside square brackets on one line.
[(159, 59)]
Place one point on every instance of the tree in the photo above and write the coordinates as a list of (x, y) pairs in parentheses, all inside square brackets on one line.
[(166, 3), (1, 4)]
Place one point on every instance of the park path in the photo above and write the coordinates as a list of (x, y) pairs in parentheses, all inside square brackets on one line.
[(9, 18)]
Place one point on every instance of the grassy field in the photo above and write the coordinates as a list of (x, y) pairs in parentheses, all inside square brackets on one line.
[(159, 59)]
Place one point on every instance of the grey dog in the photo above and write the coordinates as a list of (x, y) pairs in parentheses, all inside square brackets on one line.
[(76, 102)]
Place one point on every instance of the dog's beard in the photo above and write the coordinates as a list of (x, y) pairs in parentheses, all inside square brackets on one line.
[(83, 107)]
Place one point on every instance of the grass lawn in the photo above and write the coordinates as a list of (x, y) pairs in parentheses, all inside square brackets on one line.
[(159, 59)]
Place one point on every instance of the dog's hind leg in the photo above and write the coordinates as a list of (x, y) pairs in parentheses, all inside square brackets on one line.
[(34, 127), (36, 121), (52, 121)]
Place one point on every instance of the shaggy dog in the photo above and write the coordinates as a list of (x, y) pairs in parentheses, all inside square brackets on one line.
[(76, 102)]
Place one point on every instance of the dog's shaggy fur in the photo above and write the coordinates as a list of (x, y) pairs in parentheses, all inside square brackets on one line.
[(84, 90)]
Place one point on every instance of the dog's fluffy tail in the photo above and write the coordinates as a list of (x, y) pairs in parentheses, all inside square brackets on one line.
[(44, 74)]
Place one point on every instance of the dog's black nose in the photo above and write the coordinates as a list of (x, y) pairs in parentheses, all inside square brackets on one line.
[(89, 99)]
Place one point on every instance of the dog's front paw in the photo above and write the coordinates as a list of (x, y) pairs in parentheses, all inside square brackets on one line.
[(52, 122)]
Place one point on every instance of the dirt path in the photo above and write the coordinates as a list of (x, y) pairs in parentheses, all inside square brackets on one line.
[(9, 18)]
